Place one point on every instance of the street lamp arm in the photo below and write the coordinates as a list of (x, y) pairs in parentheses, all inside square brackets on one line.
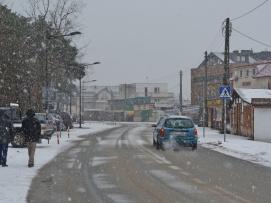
[(89, 81), (89, 64), (49, 36)]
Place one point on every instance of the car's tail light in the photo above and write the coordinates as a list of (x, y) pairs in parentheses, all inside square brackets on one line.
[(162, 132), (43, 127), (195, 132)]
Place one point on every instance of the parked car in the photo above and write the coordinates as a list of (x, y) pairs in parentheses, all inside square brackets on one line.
[(174, 131), (14, 113), (67, 119), (47, 125), (58, 122)]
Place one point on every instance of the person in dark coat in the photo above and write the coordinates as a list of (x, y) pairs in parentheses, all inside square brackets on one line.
[(6, 131), (32, 130)]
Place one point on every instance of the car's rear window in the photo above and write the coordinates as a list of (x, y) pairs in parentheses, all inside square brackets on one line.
[(13, 114), (179, 123), (41, 117), (57, 116)]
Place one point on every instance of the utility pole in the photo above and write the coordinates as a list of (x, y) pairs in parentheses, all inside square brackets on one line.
[(181, 93), (80, 103), (226, 72), (204, 93), (205, 115), (125, 110)]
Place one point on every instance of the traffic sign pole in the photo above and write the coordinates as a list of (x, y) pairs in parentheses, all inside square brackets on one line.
[(225, 106), (225, 93)]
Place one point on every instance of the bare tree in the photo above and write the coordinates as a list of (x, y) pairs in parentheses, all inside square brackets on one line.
[(62, 14)]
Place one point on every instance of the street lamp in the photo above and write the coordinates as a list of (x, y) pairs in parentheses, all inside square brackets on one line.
[(47, 38), (80, 92)]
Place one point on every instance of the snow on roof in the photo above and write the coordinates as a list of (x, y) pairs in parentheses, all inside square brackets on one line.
[(264, 70), (261, 66), (248, 94)]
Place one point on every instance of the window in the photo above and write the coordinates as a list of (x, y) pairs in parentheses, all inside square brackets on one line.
[(247, 74), (156, 89), (254, 71), (146, 91), (240, 73)]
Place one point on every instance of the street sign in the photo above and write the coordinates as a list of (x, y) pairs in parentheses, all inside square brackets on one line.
[(225, 92)]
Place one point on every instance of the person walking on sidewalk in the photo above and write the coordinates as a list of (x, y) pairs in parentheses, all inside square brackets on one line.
[(32, 130), (6, 131)]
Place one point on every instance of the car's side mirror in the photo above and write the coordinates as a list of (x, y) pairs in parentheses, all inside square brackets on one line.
[(153, 125)]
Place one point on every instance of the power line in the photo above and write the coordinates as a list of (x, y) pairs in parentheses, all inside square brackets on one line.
[(249, 11), (252, 38), (214, 40), (215, 44), (173, 87)]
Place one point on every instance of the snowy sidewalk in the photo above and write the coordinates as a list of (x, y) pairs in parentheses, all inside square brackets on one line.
[(16, 178), (236, 146)]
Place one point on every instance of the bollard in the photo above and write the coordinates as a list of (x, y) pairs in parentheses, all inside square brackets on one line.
[(60, 128), (68, 131), (57, 137)]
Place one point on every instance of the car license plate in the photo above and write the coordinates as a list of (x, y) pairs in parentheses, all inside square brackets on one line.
[(179, 133)]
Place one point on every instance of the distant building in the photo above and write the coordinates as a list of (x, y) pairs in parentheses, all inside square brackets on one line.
[(157, 91), (95, 100), (146, 101), (215, 73), (257, 76), (130, 102)]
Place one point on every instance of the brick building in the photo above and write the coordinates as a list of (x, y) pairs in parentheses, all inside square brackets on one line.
[(250, 113), (215, 72)]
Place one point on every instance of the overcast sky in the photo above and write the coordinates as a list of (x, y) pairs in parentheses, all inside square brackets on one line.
[(152, 40)]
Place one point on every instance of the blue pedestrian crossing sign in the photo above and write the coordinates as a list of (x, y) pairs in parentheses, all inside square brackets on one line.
[(225, 92)]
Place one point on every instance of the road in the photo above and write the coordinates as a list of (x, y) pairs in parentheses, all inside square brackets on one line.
[(121, 165)]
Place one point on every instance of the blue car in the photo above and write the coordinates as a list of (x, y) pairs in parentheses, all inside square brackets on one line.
[(173, 131)]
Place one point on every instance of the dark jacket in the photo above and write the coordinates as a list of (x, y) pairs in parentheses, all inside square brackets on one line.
[(31, 127), (6, 129)]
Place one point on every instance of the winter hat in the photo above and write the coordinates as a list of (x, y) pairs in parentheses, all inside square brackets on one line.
[(30, 113)]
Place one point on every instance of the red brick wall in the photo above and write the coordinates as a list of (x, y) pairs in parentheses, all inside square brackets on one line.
[(214, 81), (247, 125)]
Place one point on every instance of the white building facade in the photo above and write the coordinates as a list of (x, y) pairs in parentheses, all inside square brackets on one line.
[(158, 92)]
